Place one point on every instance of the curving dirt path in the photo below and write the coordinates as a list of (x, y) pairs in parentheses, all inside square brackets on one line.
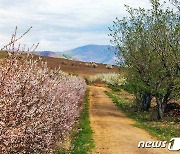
[(113, 131)]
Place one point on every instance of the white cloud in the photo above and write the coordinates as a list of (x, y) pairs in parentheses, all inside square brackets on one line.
[(62, 24), (68, 40)]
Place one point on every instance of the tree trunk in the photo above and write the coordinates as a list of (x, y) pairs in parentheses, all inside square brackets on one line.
[(161, 107), (162, 102), (146, 101), (143, 100)]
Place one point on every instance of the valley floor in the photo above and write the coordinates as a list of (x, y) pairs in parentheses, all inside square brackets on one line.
[(114, 132)]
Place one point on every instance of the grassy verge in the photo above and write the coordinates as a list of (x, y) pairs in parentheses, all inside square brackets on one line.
[(161, 130), (82, 139), (113, 88)]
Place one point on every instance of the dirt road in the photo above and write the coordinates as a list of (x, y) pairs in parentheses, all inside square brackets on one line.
[(114, 133)]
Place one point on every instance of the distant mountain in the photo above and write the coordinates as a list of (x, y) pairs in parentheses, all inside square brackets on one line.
[(54, 54), (94, 53), (88, 53), (47, 54)]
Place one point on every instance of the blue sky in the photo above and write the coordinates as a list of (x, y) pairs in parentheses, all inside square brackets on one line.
[(61, 25)]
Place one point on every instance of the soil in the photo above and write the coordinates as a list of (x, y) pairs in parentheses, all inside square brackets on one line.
[(114, 132), (72, 66), (78, 67)]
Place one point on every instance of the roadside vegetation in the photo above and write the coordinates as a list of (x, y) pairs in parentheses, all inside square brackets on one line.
[(148, 41), (165, 130), (113, 79), (38, 105), (82, 140)]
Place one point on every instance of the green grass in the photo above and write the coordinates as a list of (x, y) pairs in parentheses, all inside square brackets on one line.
[(86, 80), (81, 137), (113, 88), (129, 88), (159, 129), (82, 140)]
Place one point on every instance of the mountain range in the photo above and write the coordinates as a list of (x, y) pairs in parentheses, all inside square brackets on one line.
[(88, 53)]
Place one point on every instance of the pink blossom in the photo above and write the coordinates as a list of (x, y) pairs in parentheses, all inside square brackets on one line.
[(38, 106)]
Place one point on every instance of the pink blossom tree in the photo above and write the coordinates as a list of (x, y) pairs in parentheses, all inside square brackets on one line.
[(38, 106)]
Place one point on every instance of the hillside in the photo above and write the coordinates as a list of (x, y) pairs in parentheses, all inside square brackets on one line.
[(88, 53), (78, 67), (72, 66), (97, 53), (47, 54)]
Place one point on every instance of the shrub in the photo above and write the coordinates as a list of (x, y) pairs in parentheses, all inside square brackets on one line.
[(87, 64), (109, 78), (94, 65), (108, 66), (38, 106), (86, 80)]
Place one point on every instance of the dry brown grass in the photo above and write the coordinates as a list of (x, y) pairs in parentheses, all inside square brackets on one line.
[(76, 67)]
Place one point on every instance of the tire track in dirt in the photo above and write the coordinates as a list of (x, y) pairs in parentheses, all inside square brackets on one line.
[(114, 132)]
